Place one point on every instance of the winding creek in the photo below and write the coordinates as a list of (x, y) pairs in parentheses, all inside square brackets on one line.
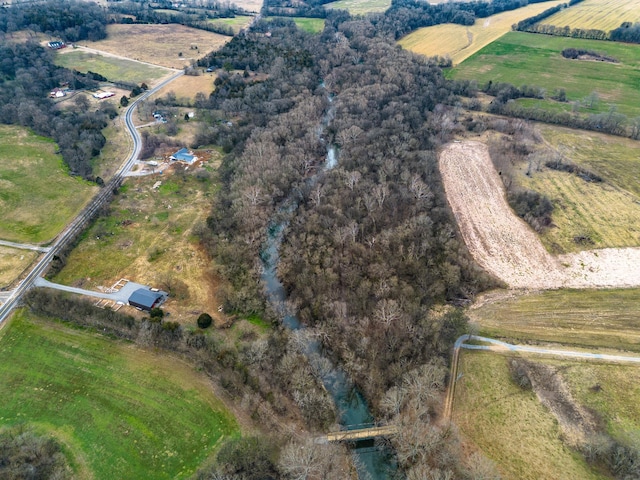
[(372, 462)]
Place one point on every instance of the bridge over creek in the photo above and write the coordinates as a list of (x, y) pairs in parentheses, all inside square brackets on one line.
[(354, 433)]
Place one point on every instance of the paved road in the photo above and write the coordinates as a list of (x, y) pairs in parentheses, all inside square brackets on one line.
[(79, 222), (24, 246), (499, 346)]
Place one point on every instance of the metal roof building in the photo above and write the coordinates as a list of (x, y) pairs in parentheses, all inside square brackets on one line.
[(183, 155), (145, 299)]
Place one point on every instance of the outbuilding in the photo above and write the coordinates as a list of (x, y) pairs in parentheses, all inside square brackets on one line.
[(146, 299)]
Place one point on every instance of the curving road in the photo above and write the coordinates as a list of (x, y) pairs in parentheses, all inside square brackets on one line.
[(83, 217), (499, 346)]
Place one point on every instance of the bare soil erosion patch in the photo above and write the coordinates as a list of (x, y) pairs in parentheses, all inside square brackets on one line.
[(505, 246)]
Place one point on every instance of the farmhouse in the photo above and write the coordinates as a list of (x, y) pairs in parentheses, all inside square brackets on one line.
[(183, 155), (57, 93), (146, 299), (56, 45)]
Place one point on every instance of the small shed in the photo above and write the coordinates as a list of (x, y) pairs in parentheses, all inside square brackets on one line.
[(146, 299), (183, 155), (56, 45)]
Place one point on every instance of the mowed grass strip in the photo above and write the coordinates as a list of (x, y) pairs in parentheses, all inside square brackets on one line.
[(360, 7), (159, 44), (510, 425), (582, 318), (460, 42), (13, 262), (37, 195), (115, 69), (126, 413), (598, 14), (532, 59)]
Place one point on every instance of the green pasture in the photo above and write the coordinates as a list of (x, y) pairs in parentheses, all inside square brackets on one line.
[(582, 318), (310, 25), (533, 59), (37, 195), (114, 69), (120, 411), (360, 7), (237, 23)]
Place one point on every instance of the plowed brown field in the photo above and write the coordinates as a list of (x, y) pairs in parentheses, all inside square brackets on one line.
[(505, 246)]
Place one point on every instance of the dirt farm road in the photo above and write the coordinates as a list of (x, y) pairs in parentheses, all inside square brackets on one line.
[(505, 245)]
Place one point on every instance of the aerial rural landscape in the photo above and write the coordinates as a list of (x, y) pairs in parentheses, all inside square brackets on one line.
[(359, 239)]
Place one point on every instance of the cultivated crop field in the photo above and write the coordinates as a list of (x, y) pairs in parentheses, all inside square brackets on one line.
[(589, 318), (115, 69), (149, 238), (598, 14), (37, 195), (159, 44), (12, 263), (531, 59), (460, 42), (360, 7), (510, 425), (121, 412)]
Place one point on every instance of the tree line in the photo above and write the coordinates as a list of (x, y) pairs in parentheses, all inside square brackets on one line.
[(69, 20)]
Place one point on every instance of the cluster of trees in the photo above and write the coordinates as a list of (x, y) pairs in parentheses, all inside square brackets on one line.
[(142, 12), (627, 32), (575, 53), (523, 25), (566, 31), (25, 454), (70, 20), (27, 74)]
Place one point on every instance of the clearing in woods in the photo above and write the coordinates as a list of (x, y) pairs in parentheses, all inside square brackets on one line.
[(166, 45), (505, 246), (597, 14), (460, 42), (237, 23), (37, 195), (121, 411), (360, 7)]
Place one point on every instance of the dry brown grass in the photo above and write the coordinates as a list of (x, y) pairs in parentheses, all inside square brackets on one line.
[(188, 86), (460, 42), (159, 44), (250, 5), (12, 263)]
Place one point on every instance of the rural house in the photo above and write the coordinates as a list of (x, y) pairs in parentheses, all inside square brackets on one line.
[(183, 155)]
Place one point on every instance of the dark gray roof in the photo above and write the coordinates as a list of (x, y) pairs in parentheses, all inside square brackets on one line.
[(144, 297)]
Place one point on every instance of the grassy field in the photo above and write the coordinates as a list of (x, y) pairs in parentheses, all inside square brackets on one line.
[(159, 44), (37, 195), (616, 401), (360, 7), (310, 25), (120, 411), (12, 263), (460, 42), (187, 86), (148, 237), (237, 23), (115, 69), (530, 59), (510, 425), (608, 212), (586, 318), (599, 14)]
